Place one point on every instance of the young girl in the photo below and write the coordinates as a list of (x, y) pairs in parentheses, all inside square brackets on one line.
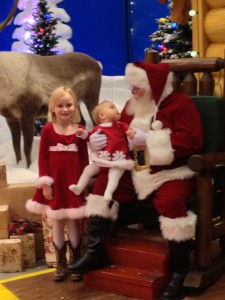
[(62, 158), (114, 156)]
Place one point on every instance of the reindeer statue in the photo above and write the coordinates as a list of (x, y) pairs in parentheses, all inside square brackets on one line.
[(26, 82)]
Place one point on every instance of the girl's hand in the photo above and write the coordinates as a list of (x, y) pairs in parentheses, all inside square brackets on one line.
[(47, 192)]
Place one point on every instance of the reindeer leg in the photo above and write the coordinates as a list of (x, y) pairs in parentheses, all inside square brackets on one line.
[(27, 127), (14, 127)]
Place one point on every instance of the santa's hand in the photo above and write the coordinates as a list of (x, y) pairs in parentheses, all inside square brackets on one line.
[(139, 138), (98, 140)]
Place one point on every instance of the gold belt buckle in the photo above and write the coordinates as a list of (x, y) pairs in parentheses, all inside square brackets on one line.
[(141, 158)]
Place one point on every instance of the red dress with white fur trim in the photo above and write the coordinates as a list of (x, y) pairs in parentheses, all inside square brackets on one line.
[(62, 159), (116, 153)]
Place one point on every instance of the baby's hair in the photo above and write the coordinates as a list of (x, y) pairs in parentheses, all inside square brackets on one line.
[(57, 94), (96, 110)]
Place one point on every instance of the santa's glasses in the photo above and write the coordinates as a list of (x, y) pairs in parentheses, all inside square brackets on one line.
[(135, 89)]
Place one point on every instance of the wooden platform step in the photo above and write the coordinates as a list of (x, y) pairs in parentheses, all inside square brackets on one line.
[(126, 281), (139, 254), (140, 269)]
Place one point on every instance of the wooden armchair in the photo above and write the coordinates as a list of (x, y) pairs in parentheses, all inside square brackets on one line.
[(141, 259), (209, 200)]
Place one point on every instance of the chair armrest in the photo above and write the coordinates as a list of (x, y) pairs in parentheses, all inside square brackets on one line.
[(208, 161)]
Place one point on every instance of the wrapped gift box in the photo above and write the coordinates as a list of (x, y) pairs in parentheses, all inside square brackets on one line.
[(10, 255), (50, 255), (28, 249), (4, 221), (3, 177), (19, 226)]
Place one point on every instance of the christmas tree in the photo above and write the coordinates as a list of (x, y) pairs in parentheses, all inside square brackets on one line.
[(24, 20), (43, 37), (172, 40)]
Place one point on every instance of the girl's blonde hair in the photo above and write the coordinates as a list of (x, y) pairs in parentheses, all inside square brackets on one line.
[(56, 95), (97, 109)]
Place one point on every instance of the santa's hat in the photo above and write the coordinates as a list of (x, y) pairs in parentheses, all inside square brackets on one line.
[(148, 76)]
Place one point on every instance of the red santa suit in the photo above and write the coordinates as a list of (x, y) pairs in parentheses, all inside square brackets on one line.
[(168, 130), (173, 132)]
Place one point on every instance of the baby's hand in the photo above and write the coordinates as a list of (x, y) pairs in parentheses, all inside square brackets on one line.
[(130, 133), (82, 133), (79, 131)]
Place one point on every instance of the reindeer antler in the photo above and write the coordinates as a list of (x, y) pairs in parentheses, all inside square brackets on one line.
[(10, 15)]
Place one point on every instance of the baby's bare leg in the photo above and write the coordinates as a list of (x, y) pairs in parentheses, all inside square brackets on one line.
[(90, 171), (113, 179)]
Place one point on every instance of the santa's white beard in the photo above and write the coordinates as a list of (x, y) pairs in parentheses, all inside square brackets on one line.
[(143, 109)]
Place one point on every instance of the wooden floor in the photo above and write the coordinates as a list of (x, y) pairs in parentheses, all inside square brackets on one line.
[(39, 285)]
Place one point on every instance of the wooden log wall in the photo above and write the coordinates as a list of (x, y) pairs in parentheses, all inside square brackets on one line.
[(209, 33)]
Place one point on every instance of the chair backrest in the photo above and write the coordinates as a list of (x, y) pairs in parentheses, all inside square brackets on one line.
[(212, 111)]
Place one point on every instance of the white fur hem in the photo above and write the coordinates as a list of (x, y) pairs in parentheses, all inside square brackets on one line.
[(159, 147), (44, 180), (146, 183), (42, 209), (126, 164), (178, 229), (97, 206)]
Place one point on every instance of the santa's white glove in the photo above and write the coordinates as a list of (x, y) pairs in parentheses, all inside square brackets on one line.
[(139, 138), (98, 140)]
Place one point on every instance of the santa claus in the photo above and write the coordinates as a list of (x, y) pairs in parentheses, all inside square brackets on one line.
[(168, 130)]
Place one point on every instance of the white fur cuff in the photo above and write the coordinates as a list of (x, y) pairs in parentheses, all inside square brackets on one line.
[(97, 206), (44, 180), (159, 147), (179, 229)]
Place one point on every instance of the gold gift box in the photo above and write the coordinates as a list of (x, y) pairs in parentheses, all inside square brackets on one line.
[(28, 249), (4, 221), (50, 254), (10, 255)]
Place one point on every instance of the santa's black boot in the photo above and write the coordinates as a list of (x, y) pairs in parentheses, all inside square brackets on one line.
[(95, 256), (100, 214), (179, 252)]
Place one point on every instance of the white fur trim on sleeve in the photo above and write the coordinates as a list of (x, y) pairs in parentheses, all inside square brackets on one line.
[(178, 229), (97, 206), (44, 180), (159, 147)]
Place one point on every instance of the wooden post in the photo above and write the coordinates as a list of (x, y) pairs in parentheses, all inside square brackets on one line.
[(152, 57)]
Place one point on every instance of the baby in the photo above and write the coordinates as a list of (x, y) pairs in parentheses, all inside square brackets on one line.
[(114, 156)]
